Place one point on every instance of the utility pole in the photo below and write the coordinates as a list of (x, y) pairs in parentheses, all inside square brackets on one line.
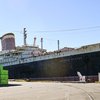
[(58, 45), (25, 36)]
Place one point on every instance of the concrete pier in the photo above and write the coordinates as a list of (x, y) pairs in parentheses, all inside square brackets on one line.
[(50, 91)]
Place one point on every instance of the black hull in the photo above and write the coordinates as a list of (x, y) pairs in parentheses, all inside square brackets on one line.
[(87, 64)]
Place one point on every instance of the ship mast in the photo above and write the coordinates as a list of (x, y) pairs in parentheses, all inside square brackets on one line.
[(25, 36)]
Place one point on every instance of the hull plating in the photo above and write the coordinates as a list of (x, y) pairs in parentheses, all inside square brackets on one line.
[(87, 64)]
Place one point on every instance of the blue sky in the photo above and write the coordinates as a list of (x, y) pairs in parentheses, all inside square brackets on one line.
[(49, 15)]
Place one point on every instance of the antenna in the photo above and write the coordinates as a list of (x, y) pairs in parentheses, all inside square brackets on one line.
[(25, 36)]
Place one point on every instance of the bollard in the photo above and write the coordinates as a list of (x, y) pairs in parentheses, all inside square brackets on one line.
[(99, 77)]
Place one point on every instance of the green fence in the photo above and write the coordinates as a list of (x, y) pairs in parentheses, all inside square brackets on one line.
[(3, 76)]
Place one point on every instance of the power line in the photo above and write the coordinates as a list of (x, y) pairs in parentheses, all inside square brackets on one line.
[(73, 29), (63, 30)]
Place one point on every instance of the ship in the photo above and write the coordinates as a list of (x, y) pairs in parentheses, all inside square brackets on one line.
[(34, 62)]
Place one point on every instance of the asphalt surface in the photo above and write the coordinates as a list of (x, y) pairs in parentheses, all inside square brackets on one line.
[(50, 91)]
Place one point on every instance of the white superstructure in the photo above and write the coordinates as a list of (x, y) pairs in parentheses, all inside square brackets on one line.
[(26, 54)]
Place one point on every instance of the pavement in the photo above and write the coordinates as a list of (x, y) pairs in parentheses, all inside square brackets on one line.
[(50, 91)]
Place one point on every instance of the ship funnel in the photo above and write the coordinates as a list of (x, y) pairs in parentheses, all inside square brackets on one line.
[(34, 44), (41, 43), (8, 41)]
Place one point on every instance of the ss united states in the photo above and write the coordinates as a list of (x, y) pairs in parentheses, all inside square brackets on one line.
[(34, 62)]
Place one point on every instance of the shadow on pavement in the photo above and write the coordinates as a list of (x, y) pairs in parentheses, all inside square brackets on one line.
[(10, 85)]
